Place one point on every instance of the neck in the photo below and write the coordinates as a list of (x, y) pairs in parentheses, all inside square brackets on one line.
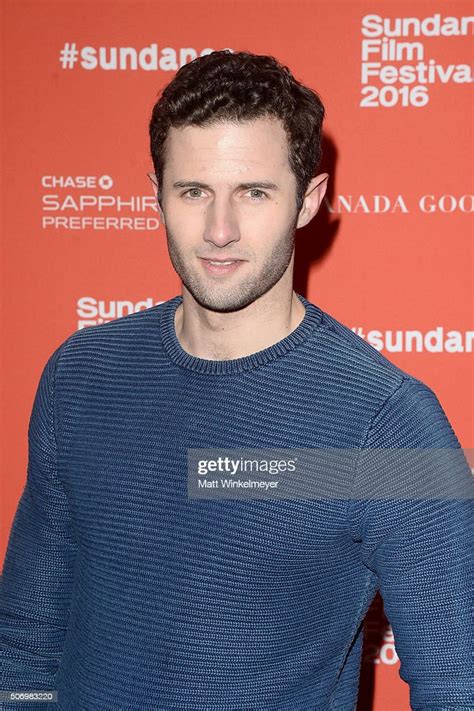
[(227, 336)]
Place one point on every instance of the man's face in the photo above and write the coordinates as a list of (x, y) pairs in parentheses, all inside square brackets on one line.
[(228, 220)]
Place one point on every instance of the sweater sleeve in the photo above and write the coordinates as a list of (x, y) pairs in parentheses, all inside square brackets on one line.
[(36, 582), (419, 546)]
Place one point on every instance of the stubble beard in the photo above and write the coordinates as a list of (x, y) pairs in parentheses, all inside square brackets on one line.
[(219, 297)]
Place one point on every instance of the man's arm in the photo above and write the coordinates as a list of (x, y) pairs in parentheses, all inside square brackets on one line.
[(420, 547), (38, 571)]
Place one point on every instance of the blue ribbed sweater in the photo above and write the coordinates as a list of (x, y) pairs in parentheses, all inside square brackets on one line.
[(122, 592)]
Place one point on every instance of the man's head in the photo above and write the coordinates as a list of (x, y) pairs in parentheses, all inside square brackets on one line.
[(236, 144)]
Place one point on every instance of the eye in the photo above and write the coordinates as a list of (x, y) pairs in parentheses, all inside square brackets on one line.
[(191, 194), (262, 194), (192, 190)]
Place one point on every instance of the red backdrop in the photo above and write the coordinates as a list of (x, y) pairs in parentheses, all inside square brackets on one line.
[(389, 253)]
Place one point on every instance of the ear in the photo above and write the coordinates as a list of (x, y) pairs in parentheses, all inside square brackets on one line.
[(312, 199), (154, 182)]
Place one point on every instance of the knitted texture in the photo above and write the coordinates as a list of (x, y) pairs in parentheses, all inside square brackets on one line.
[(122, 592)]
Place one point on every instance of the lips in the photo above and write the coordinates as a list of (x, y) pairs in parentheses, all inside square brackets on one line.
[(221, 259), (221, 263), (221, 266)]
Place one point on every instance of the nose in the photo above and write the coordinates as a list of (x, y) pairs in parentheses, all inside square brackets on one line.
[(221, 227)]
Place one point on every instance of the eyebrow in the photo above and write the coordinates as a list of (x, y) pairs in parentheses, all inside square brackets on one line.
[(245, 186)]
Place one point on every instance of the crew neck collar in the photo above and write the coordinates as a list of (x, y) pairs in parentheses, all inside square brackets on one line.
[(311, 321)]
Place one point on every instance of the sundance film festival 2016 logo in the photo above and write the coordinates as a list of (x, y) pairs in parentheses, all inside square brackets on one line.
[(397, 72), (89, 202)]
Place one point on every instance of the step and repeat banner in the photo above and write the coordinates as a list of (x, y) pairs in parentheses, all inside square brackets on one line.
[(389, 253)]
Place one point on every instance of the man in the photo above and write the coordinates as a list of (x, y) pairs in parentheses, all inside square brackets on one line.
[(121, 590)]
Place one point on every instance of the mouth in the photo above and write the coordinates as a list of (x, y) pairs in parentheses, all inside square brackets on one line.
[(221, 266)]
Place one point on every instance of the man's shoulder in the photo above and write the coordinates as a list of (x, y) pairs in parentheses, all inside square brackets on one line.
[(352, 365), (360, 373), (132, 323), (109, 344), (121, 331), (353, 351)]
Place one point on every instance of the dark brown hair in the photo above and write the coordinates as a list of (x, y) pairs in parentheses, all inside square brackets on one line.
[(240, 86)]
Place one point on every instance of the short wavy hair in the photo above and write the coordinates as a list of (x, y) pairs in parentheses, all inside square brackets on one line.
[(240, 86)]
